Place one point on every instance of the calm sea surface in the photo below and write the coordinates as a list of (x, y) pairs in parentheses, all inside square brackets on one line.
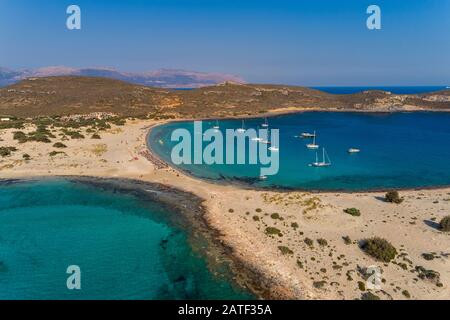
[(126, 248), (398, 150)]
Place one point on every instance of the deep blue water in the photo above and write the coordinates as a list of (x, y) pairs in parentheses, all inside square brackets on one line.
[(396, 90), (398, 150), (126, 248)]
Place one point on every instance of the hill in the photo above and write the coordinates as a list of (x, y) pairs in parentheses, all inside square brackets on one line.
[(81, 95)]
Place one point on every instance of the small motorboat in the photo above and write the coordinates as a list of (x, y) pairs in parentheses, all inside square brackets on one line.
[(265, 124), (274, 149), (353, 150), (216, 127), (307, 135)]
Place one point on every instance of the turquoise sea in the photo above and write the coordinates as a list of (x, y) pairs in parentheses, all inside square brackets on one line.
[(398, 150), (126, 247)]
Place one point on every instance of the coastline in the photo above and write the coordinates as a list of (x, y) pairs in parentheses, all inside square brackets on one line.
[(241, 183), (244, 238)]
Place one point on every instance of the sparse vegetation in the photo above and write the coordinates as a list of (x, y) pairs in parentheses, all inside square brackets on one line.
[(428, 256), (275, 216), (55, 153), (361, 286), (444, 225), (322, 242), (20, 136), (347, 240), (7, 151), (273, 231), (353, 212), (309, 242), (406, 294), (59, 145), (369, 296), (285, 250), (379, 249), (319, 284), (429, 275), (393, 197)]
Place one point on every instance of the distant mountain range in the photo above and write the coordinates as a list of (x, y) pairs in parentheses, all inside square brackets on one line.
[(164, 78)]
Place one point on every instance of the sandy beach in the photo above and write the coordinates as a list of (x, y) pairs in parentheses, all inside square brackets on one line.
[(290, 266)]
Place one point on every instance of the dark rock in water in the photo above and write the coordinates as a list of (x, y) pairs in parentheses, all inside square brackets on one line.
[(163, 243), (180, 279)]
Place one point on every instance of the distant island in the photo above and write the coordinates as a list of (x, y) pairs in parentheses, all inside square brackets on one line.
[(162, 78)]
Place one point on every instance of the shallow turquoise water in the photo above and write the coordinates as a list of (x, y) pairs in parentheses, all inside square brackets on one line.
[(398, 150), (126, 249)]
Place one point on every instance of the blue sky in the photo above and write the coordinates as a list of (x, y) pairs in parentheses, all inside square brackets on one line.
[(314, 42)]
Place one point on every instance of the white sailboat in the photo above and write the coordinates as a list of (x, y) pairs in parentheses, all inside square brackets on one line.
[(242, 128), (265, 124), (326, 162), (216, 127), (313, 145)]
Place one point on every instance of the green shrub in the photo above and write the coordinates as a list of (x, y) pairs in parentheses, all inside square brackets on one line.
[(429, 275), (428, 256), (273, 231), (319, 284), (406, 294), (322, 242), (444, 225), (275, 216), (285, 250), (20, 136), (379, 248), (309, 242), (6, 151), (369, 296), (26, 156), (393, 197), (59, 145), (54, 153), (96, 136), (347, 240), (255, 218), (353, 212), (361, 286), (294, 225)]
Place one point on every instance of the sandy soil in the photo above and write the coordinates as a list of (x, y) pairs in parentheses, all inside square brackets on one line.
[(293, 269)]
